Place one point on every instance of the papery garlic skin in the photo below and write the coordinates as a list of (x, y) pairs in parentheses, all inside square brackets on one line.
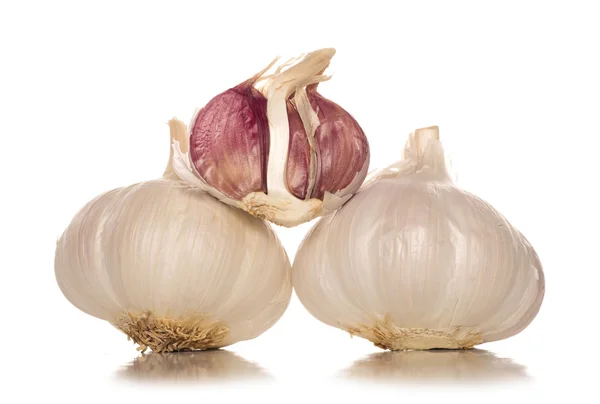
[(413, 262), (173, 268), (276, 148)]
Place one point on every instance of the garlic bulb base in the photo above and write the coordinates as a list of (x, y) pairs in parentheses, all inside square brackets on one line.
[(281, 210), (162, 334), (387, 335)]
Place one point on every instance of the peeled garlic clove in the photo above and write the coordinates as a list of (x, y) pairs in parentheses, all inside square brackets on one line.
[(414, 262), (172, 267), (275, 147)]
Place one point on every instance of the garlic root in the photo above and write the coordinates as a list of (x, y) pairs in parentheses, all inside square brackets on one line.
[(162, 334), (386, 335)]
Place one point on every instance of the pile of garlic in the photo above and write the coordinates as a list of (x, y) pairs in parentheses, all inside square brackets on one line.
[(188, 262)]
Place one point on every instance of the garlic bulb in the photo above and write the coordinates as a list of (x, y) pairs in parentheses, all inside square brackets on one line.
[(413, 262), (276, 148), (172, 267)]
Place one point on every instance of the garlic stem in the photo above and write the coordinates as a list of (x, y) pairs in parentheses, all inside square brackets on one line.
[(177, 132), (423, 148), (424, 136)]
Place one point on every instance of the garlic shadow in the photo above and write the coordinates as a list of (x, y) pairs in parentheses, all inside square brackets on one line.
[(456, 366), (192, 367)]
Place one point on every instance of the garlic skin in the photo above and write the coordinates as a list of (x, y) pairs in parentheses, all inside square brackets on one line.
[(172, 267), (276, 148), (413, 262)]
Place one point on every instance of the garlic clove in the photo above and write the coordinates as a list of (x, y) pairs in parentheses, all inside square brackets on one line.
[(341, 146), (301, 166), (229, 142)]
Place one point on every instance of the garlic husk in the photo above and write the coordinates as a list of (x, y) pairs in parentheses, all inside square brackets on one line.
[(274, 147), (172, 267), (413, 262)]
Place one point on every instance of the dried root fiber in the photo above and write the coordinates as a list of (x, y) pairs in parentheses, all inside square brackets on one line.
[(386, 335), (171, 335)]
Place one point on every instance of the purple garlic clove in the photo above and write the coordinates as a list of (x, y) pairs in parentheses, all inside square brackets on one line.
[(229, 142), (342, 147)]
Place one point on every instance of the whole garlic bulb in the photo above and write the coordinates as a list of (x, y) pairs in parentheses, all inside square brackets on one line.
[(276, 148), (413, 262), (172, 267)]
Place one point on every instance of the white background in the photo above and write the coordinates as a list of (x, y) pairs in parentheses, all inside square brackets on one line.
[(86, 89)]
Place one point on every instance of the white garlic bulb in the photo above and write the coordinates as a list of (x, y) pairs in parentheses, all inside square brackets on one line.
[(172, 267), (413, 262)]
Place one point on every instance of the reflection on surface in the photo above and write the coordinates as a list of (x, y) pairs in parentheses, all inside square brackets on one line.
[(214, 365), (436, 365)]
